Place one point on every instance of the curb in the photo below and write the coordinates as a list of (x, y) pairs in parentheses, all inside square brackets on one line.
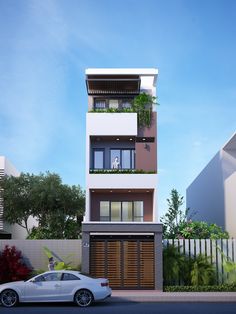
[(173, 297)]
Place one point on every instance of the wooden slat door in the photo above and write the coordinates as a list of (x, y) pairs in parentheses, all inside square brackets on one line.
[(128, 264), (97, 259), (113, 258), (147, 264)]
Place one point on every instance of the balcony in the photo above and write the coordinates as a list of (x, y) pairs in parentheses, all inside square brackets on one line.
[(109, 124)]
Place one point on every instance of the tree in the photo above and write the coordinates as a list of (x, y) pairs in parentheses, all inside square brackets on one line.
[(174, 216), (17, 199), (57, 207), (177, 224)]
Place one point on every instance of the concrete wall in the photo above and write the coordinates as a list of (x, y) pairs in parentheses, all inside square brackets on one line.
[(35, 257), (108, 124), (212, 194), (205, 195)]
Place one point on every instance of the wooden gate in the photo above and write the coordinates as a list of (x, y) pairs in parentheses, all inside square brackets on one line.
[(127, 263)]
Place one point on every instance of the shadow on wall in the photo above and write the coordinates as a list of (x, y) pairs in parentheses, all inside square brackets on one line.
[(205, 196)]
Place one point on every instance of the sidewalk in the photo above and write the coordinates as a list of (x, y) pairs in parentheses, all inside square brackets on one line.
[(157, 296)]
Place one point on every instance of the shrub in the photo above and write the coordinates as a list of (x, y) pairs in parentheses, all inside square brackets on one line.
[(186, 270), (215, 288), (12, 265), (176, 266)]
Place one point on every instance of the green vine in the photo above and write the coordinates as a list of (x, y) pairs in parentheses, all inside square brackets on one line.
[(142, 105)]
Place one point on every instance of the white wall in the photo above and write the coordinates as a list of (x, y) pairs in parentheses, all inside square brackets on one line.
[(213, 193), (111, 124), (122, 181), (35, 257), (205, 195)]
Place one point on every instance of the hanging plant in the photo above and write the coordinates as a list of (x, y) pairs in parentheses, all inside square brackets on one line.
[(142, 104)]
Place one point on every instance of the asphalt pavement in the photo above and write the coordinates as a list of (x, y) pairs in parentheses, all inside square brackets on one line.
[(110, 307)]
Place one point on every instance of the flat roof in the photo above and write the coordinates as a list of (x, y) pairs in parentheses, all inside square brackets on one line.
[(119, 71), (231, 143)]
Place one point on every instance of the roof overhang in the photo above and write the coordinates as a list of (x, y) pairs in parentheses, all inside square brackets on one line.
[(113, 84), (119, 81)]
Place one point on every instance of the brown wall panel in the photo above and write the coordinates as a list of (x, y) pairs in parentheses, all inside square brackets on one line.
[(147, 199)]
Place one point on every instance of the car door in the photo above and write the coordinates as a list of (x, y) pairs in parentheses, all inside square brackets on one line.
[(46, 287), (70, 283)]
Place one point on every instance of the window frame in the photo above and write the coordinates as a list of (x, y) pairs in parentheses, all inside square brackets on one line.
[(103, 159), (121, 214), (131, 160)]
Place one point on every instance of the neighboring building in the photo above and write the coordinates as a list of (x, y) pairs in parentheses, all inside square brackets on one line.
[(121, 237), (8, 231), (212, 194)]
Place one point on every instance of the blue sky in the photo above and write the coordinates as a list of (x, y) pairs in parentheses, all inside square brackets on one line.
[(45, 47)]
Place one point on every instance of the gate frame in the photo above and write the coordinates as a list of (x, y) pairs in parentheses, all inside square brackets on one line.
[(143, 228)]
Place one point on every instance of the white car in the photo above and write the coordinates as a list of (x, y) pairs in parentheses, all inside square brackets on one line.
[(56, 286)]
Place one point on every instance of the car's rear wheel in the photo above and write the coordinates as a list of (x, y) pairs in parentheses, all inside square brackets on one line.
[(8, 298), (83, 297)]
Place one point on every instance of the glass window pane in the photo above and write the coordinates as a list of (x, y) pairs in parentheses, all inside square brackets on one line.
[(126, 159), (104, 211), (115, 158), (98, 159), (67, 276), (127, 211), (138, 219), (52, 276), (138, 208), (100, 103), (133, 159), (115, 211)]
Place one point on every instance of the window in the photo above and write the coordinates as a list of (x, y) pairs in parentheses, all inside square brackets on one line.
[(100, 104), (126, 103), (104, 211), (115, 211), (122, 158), (138, 211), (126, 160), (127, 211), (121, 210), (67, 276), (98, 159)]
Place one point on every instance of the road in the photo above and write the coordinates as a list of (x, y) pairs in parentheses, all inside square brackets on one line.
[(110, 307)]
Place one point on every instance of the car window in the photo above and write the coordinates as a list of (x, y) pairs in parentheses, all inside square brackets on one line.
[(39, 279), (50, 277), (67, 276)]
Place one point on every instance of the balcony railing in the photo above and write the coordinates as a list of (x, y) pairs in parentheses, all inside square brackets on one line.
[(121, 171)]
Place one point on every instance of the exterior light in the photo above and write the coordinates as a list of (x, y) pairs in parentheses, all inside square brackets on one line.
[(131, 139), (117, 139), (111, 191), (144, 139)]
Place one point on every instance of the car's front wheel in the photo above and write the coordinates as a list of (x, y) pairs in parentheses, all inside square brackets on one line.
[(8, 298), (83, 297)]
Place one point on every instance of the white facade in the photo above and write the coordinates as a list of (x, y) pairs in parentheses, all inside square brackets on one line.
[(118, 124), (212, 194), (111, 124)]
